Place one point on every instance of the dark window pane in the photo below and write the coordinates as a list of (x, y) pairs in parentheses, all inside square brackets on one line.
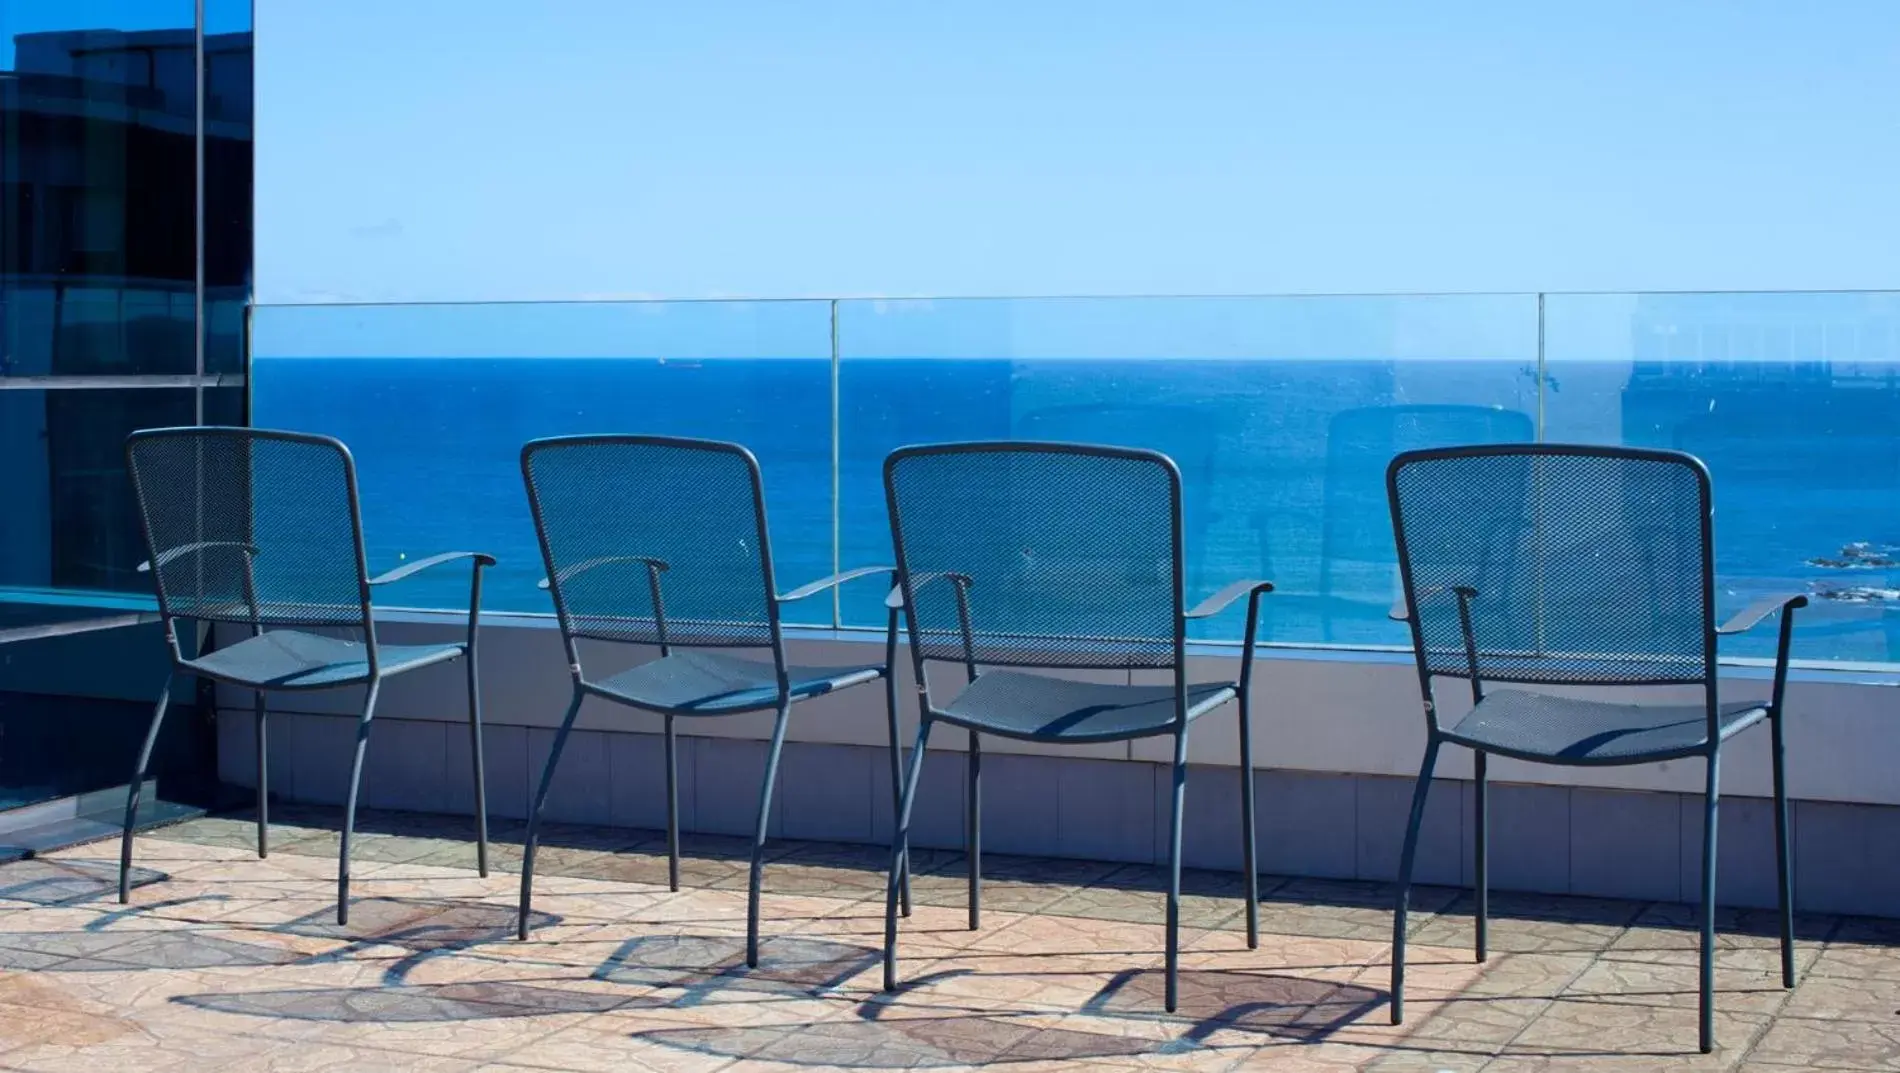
[(228, 131), (226, 406), (97, 253), (70, 521)]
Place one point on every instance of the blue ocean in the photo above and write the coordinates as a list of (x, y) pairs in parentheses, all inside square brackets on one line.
[(1283, 460)]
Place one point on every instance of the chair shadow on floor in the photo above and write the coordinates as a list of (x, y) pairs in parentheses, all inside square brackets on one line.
[(1283, 1007), (422, 928), (1270, 1004), (100, 947), (58, 882), (699, 967), (696, 967)]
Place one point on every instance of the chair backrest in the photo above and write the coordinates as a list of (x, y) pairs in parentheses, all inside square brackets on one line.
[(621, 517), (1065, 555), (1589, 565), (251, 526), (1188, 435)]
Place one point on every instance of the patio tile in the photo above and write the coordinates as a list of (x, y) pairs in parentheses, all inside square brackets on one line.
[(1745, 939), (341, 1058), (1674, 984), (1472, 1024), (1844, 998), (1011, 884), (1808, 1044), (1861, 948), (1581, 1033), (1337, 960), (1457, 1003), (660, 1035), (1006, 984), (1343, 908), (137, 1050), (1139, 893), (1533, 923), (227, 960)]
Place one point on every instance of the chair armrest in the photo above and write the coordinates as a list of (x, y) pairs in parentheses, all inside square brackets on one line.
[(169, 554), (1750, 617), (406, 569), (895, 600), (653, 565), (1402, 612), (1218, 602), (833, 582)]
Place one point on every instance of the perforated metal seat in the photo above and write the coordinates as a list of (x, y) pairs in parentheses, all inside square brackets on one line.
[(710, 683), (261, 533), (1558, 565), (1039, 707), (1065, 557), (1538, 726), (289, 659), (661, 543)]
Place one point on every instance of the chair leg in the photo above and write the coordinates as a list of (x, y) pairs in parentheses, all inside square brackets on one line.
[(1406, 859), (758, 837), (1250, 848), (260, 714), (672, 808), (1171, 999), (349, 807), (1480, 817), (1706, 1021), (897, 774), (534, 815), (132, 792), (479, 772), (900, 852), (973, 831), (1783, 875)]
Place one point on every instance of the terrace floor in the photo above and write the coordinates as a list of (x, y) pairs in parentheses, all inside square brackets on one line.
[(229, 962)]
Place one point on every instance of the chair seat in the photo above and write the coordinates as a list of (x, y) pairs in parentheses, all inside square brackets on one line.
[(1560, 730), (1037, 707), (712, 683), (289, 659)]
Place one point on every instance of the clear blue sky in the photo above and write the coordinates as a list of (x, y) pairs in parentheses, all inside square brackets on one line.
[(482, 149)]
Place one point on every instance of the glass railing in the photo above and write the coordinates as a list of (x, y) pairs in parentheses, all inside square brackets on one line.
[(436, 401), (1281, 412)]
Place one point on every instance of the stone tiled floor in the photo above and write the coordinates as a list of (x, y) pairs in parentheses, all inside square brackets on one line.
[(228, 962)]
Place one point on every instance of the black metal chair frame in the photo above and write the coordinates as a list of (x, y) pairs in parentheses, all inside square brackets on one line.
[(930, 713), (781, 705), (1469, 599), (372, 679)]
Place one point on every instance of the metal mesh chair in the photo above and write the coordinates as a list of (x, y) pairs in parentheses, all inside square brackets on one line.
[(1573, 566), (661, 542), (262, 530), (1053, 556)]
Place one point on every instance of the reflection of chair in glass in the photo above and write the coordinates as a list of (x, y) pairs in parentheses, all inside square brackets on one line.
[(263, 530), (1568, 566), (1053, 556), (661, 542), (1355, 526)]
